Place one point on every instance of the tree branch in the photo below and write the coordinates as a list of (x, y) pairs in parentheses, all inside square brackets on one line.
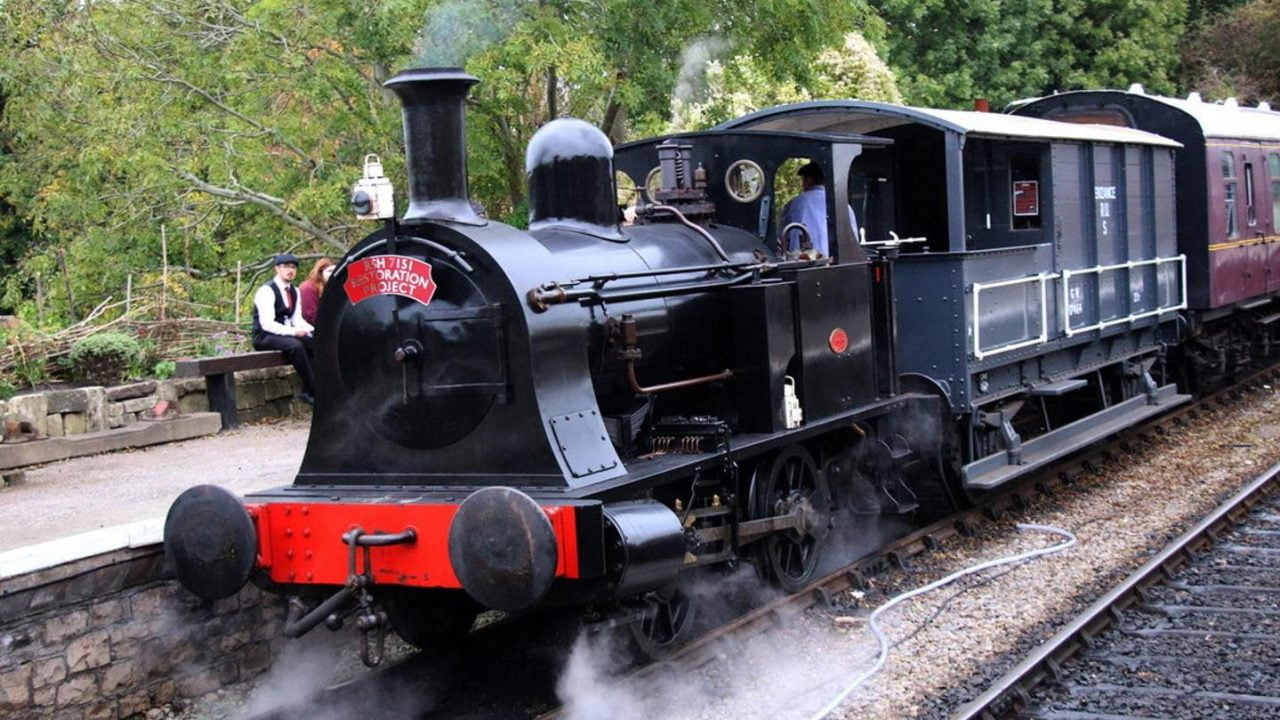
[(271, 204)]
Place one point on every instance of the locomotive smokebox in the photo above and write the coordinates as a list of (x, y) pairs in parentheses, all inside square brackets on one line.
[(569, 166), (435, 139)]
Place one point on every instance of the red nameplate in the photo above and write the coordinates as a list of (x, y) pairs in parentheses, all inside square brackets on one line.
[(389, 275)]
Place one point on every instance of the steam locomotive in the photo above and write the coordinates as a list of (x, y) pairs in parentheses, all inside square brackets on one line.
[(588, 413)]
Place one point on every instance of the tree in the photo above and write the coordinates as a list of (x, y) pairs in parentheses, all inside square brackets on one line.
[(1235, 54), (949, 52), (226, 130), (738, 86)]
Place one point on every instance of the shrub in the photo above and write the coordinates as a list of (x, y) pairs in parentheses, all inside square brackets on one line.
[(31, 371), (104, 358), (163, 370), (7, 389)]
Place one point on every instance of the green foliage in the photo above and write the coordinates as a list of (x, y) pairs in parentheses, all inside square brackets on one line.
[(163, 370), (30, 371), (741, 85), (104, 358), (948, 52), (1234, 53), (7, 389)]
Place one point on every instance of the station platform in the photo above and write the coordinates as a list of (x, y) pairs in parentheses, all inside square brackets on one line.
[(86, 506)]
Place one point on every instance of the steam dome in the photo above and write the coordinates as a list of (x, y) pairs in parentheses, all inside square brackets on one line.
[(569, 166)]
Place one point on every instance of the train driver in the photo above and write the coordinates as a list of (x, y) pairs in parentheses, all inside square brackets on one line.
[(278, 323), (810, 209)]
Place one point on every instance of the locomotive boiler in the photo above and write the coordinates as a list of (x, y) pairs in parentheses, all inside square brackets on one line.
[(582, 413)]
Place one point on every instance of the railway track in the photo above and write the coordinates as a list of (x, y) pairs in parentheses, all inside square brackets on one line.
[(1194, 633), (536, 698)]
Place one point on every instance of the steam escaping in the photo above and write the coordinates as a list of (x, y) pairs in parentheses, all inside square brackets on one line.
[(302, 667), (458, 29), (784, 673), (787, 672), (320, 659), (692, 80)]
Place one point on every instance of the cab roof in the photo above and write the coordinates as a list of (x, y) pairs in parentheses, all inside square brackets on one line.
[(859, 117)]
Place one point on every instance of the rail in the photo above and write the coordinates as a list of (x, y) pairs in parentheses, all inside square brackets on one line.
[(1010, 692), (978, 351), (1128, 267)]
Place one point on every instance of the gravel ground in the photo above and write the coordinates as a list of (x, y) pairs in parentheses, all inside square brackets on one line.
[(88, 493), (1122, 514)]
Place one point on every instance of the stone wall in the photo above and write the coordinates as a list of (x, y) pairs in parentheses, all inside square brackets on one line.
[(111, 637), (268, 392)]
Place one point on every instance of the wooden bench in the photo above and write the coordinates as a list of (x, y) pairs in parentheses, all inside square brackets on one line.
[(220, 380)]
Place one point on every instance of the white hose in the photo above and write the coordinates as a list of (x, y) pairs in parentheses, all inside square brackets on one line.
[(883, 654)]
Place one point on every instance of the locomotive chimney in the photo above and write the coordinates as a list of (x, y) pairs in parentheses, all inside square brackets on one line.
[(435, 140)]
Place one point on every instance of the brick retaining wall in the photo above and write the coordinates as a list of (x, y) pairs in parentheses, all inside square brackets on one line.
[(113, 636)]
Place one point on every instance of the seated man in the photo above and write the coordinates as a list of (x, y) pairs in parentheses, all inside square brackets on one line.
[(278, 323), (810, 209)]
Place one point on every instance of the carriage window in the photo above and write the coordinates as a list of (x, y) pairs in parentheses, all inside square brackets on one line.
[(1249, 199), (1024, 174), (1229, 192), (1273, 163)]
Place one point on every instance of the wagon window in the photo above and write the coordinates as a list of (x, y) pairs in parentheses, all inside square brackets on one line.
[(1249, 199), (1229, 192)]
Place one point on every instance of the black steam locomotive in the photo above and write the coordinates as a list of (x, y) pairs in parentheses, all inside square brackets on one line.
[(588, 413)]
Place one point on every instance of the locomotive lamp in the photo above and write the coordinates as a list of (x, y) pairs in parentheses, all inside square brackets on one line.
[(372, 197)]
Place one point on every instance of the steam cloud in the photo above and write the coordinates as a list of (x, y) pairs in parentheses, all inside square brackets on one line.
[(458, 29), (788, 672), (691, 81)]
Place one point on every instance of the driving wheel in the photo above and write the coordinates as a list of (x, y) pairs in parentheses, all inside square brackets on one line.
[(667, 624), (793, 487)]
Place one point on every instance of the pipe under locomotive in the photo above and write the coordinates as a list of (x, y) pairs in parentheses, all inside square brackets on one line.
[(485, 395)]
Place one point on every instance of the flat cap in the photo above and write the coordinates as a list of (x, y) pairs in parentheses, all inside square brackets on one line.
[(286, 258)]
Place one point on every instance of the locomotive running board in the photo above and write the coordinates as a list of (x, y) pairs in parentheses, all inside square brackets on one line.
[(995, 470)]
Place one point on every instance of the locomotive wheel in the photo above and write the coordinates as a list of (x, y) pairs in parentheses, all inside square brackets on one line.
[(426, 619), (668, 623), (793, 486)]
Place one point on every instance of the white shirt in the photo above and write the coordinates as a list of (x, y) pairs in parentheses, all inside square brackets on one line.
[(265, 302), (810, 208)]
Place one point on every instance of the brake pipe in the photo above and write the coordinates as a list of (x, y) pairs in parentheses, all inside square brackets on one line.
[(882, 655)]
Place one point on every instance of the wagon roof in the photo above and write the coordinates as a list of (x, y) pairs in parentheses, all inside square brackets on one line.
[(1216, 120), (865, 117)]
